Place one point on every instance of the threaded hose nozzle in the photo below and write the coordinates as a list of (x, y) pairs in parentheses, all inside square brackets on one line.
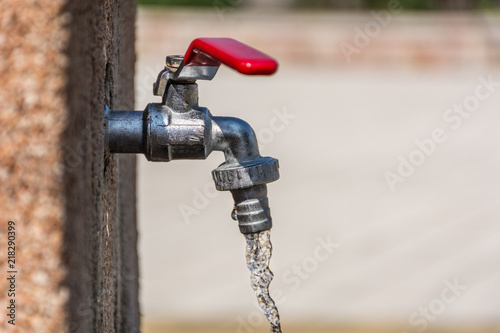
[(247, 183), (252, 209)]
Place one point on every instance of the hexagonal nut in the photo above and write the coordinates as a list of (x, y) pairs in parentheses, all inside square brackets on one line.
[(247, 174)]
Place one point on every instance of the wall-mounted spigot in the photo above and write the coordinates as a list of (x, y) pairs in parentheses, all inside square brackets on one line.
[(180, 129)]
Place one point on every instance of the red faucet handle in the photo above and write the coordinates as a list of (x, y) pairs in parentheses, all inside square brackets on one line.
[(230, 52)]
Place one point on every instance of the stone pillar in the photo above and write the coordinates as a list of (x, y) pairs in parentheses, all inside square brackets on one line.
[(73, 204)]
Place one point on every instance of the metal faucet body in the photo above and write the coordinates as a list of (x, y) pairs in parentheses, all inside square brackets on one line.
[(178, 128)]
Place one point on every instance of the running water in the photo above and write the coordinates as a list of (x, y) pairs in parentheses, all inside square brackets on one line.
[(259, 251)]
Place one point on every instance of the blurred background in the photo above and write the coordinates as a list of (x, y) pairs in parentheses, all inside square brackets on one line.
[(384, 116)]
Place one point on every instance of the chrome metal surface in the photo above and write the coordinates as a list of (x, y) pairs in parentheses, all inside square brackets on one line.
[(174, 61), (160, 86), (195, 72), (231, 176), (252, 209), (235, 138), (175, 71)]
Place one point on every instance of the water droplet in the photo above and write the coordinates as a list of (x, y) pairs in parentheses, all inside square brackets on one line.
[(234, 216)]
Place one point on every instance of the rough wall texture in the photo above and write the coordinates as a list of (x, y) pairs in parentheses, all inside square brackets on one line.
[(73, 204)]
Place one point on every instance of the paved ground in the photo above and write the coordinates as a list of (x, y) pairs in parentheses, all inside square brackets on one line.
[(337, 130)]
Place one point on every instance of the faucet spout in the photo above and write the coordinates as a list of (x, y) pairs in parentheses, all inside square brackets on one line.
[(245, 172), (235, 138)]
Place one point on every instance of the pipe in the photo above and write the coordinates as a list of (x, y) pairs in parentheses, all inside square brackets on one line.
[(124, 132)]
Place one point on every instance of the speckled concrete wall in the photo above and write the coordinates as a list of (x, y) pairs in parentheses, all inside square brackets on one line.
[(73, 204)]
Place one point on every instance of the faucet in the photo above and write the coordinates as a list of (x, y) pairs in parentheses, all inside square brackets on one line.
[(178, 128)]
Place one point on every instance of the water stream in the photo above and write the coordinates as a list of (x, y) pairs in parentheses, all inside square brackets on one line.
[(258, 254)]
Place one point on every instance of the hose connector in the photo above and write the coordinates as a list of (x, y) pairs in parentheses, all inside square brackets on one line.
[(247, 183)]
